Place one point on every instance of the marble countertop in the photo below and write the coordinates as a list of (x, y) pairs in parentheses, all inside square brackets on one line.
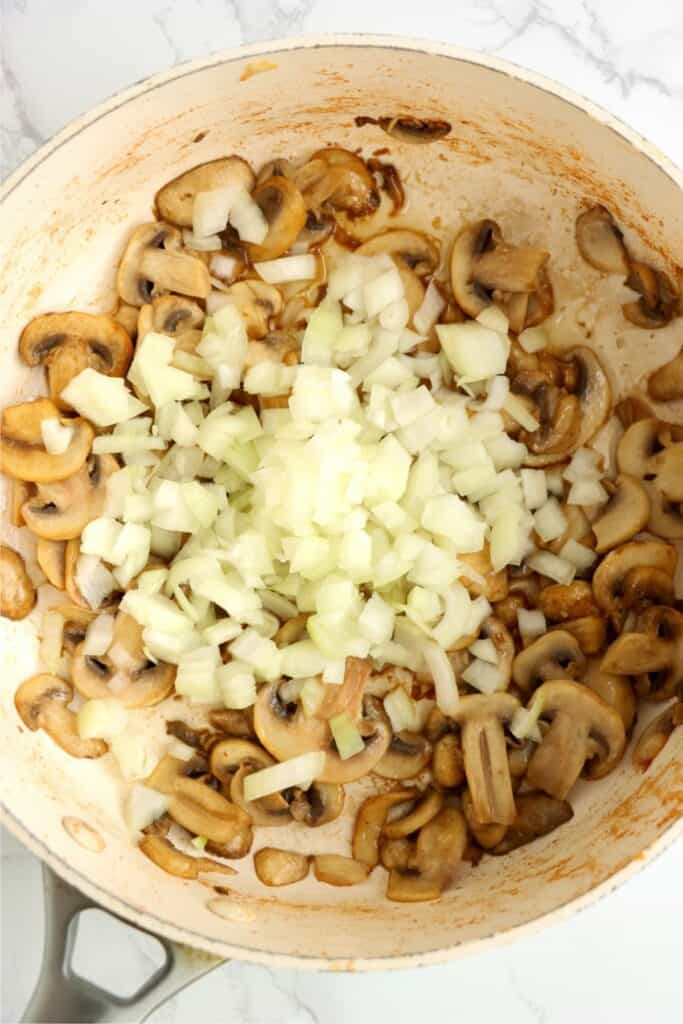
[(621, 958)]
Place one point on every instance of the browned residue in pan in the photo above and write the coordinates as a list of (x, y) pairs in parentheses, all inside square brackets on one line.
[(257, 67)]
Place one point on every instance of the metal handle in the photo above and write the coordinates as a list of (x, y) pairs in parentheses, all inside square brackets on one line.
[(62, 996)]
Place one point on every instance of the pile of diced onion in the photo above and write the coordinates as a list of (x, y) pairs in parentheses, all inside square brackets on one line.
[(353, 504)]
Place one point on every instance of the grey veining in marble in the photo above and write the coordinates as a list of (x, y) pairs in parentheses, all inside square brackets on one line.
[(620, 960)]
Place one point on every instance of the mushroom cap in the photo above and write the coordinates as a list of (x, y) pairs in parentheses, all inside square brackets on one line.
[(661, 627), (67, 343), (321, 803), (408, 754), (61, 510), (654, 737), (639, 445), (418, 250), (411, 130), (229, 754), (554, 655), (17, 593), (666, 518), (659, 299), (204, 812), (537, 815), (426, 808), (170, 314), (561, 601), (258, 302), (283, 207), (175, 200), (601, 242), (668, 468), (589, 631), (610, 576), (42, 704), (152, 264), (666, 383), (471, 240), (23, 455), (615, 690), (625, 514), (51, 557), (372, 815), (276, 867), (335, 176), (334, 869)]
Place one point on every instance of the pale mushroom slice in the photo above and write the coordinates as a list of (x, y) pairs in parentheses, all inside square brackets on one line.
[(166, 856), (482, 720), (259, 303), (666, 516), (635, 559), (232, 722), (17, 593), (42, 702), (231, 760), (655, 736), (416, 249), (334, 869), (61, 510), (487, 835), (124, 673), (439, 850), (601, 242), (448, 762), (285, 212), (584, 732), (51, 557), (554, 655), (537, 815), (480, 579), (340, 179), (666, 383), (659, 300), (615, 690), (408, 754), (174, 202), (426, 808), (152, 264), (624, 515), (67, 343), (23, 454), (204, 812), (20, 491), (661, 627), (667, 465), (318, 805), (275, 867), (642, 443), (370, 821), (170, 314)]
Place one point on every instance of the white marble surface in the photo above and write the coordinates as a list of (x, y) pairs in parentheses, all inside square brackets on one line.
[(618, 960)]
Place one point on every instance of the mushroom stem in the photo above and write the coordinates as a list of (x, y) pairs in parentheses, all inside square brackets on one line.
[(488, 773), (553, 774)]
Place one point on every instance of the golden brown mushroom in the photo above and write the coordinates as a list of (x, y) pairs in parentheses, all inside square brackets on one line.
[(426, 808), (666, 383), (487, 835), (554, 655), (174, 202), (370, 821), (276, 867), (448, 763), (601, 242), (439, 850), (482, 720), (584, 730), (417, 250), (333, 869), (204, 812), (589, 631), (42, 702), (60, 511), (661, 628), (409, 129), (408, 754), (164, 854), (321, 803), (23, 454), (17, 593), (284, 209), (659, 301), (51, 557), (615, 690), (654, 737), (537, 815), (611, 578), (561, 601), (340, 179), (170, 314), (153, 264), (625, 514), (259, 303)]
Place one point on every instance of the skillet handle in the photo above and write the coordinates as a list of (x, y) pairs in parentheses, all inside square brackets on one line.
[(60, 995)]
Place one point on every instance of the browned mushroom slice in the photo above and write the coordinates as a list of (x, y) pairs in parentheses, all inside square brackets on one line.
[(589, 631), (17, 593), (276, 867), (283, 207), (666, 383), (562, 601), (370, 821), (654, 737), (642, 441), (667, 465), (124, 673), (427, 807), (67, 343), (233, 723), (408, 754), (165, 855), (406, 128), (633, 653), (611, 577), (321, 803), (417, 250), (333, 869), (127, 316), (615, 690), (448, 763), (583, 729), (61, 510), (559, 426), (152, 264), (601, 242), (339, 178), (666, 516), (42, 704), (231, 761), (20, 491), (625, 514), (397, 853), (166, 771), (170, 314), (486, 835), (479, 577), (204, 812), (537, 815), (554, 655), (23, 454), (660, 627), (482, 719), (175, 200), (200, 739), (258, 304), (51, 557), (659, 301), (439, 850)]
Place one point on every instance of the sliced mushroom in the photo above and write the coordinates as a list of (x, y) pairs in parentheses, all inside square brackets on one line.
[(666, 516), (66, 343), (554, 655), (631, 409), (660, 628), (578, 529), (408, 754), (417, 250), (589, 631), (42, 702), (228, 755), (321, 803), (615, 690), (17, 593), (396, 853), (610, 580), (171, 860), (51, 557), (76, 622), (152, 264), (268, 812), (659, 301), (601, 242), (654, 738), (482, 720), (124, 673), (336, 177), (562, 601), (333, 869), (448, 762), (641, 442), (20, 491), (537, 815), (439, 850), (199, 739), (280, 867), (584, 732), (370, 822), (174, 202), (127, 316), (60, 511), (486, 835), (479, 577), (406, 128), (625, 514), (170, 314), (167, 770), (23, 454), (204, 812), (258, 304), (666, 383), (634, 653), (493, 629), (284, 209), (427, 807), (233, 723), (667, 465)]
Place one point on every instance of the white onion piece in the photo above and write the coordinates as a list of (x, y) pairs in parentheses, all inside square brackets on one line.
[(143, 806), (514, 405), (484, 677), (475, 352), (102, 400), (531, 624), (99, 636), (346, 736), (56, 436), (552, 566), (248, 219), (288, 268), (223, 267), (201, 243), (430, 309), (550, 521), (533, 339), (493, 317), (136, 755), (93, 580), (402, 711), (485, 650), (210, 210), (534, 488), (297, 771), (587, 492), (445, 686), (101, 719), (51, 638), (578, 554), (237, 685)]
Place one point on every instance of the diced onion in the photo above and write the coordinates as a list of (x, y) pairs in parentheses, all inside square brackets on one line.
[(445, 686), (297, 771), (587, 492), (534, 488), (552, 566), (531, 624), (311, 696), (136, 756), (248, 219), (430, 309), (533, 339), (346, 736), (493, 317), (101, 718), (99, 636), (102, 400), (143, 806), (514, 405), (237, 685), (51, 638), (484, 649), (550, 521), (288, 268), (210, 210), (56, 436), (475, 352), (93, 580), (578, 554), (376, 621), (197, 675), (402, 711), (484, 677)]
